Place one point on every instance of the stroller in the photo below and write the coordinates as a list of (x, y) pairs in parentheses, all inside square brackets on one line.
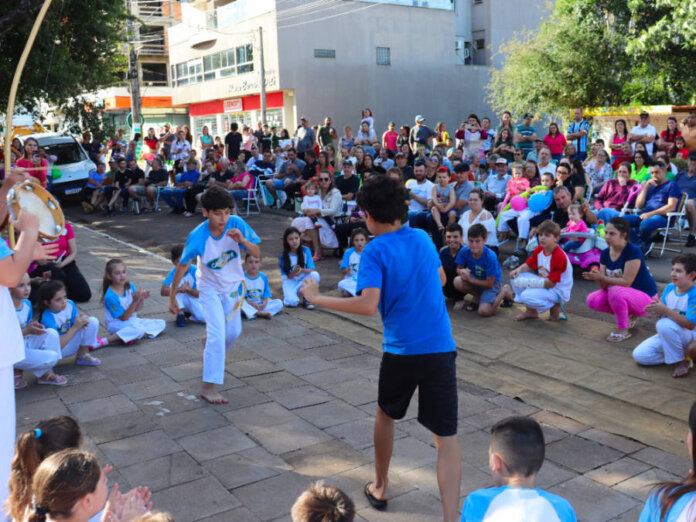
[(586, 256)]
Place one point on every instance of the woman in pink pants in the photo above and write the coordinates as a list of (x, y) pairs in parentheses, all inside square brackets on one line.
[(626, 286)]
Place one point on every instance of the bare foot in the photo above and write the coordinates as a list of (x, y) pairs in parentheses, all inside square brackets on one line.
[(555, 313), (459, 305), (211, 395), (681, 369), (264, 315), (691, 351), (529, 313)]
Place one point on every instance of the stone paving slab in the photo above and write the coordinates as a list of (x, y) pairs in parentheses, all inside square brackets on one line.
[(302, 403)]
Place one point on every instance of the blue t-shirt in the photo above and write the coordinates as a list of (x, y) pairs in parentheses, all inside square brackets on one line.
[(96, 178), (516, 505), (189, 276), (24, 313), (308, 262), (351, 263), (61, 321), (257, 288), (644, 280), (5, 250), (684, 507), (686, 183), (657, 196), (575, 127), (404, 266), (189, 175), (684, 303), (482, 268), (526, 146), (115, 305)]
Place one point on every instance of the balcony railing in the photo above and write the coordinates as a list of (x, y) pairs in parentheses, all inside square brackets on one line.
[(152, 49)]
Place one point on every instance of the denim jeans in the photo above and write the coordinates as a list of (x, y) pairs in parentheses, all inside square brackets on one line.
[(418, 219), (642, 230), (606, 214), (169, 194)]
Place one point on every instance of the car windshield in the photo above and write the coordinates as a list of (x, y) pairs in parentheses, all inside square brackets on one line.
[(65, 152)]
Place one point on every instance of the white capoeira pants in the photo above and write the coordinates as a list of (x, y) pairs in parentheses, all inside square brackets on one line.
[(273, 306), (540, 299), (223, 325), (523, 217), (291, 288), (192, 305), (87, 336), (136, 328), (668, 346), (349, 285), (42, 352), (7, 432)]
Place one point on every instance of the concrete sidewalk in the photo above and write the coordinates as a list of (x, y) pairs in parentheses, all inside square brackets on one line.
[(302, 390)]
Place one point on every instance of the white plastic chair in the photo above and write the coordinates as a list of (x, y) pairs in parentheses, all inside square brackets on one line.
[(673, 225)]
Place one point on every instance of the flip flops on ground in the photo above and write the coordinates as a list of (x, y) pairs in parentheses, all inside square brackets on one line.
[(53, 379), (87, 360), (617, 337), (378, 504)]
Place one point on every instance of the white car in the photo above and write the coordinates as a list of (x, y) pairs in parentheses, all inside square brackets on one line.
[(71, 159)]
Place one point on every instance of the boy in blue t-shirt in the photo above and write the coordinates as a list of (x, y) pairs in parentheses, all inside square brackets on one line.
[(401, 275), (216, 245), (187, 295), (677, 313), (515, 456), (479, 274)]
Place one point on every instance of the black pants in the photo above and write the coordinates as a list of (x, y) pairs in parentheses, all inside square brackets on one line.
[(77, 287), (450, 291), (344, 230), (190, 197)]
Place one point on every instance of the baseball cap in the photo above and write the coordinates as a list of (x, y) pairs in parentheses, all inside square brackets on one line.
[(461, 167), (305, 118), (420, 117), (501, 161), (692, 155), (347, 162), (527, 115)]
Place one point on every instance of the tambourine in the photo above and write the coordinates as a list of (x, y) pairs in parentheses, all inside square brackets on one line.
[(40, 202)]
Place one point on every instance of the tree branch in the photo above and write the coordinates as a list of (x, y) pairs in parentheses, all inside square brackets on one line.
[(26, 10)]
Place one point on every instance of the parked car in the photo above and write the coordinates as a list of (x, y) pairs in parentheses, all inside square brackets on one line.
[(71, 160)]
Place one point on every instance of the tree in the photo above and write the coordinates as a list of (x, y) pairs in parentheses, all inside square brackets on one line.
[(78, 49), (83, 115), (597, 52)]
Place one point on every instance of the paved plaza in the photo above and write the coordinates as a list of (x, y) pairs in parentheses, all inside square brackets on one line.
[(302, 390)]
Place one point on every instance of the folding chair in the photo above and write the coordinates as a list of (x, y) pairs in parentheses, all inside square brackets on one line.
[(673, 225), (253, 196)]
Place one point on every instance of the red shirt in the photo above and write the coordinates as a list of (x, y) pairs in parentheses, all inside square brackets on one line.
[(617, 141), (390, 140), (62, 242), (555, 143), (38, 174)]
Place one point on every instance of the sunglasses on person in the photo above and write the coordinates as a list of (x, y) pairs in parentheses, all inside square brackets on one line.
[(324, 179)]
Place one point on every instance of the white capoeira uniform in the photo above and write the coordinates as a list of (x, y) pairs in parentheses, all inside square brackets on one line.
[(529, 288), (257, 289), (11, 352), (43, 350), (351, 263), (292, 285), (186, 302), (668, 346), (63, 320), (220, 279), (134, 327)]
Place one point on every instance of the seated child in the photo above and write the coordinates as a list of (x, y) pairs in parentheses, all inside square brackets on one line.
[(575, 224), (41, 346), (479, 274), (350, 264), (515, 456), (677, 318), (258, 302), (78, 332), (448, 256), (122, 302), (523, 216), (187, 293), (442, 200), (320, 502), (517, 183), (313, 200), (545, 280), (296, 264)]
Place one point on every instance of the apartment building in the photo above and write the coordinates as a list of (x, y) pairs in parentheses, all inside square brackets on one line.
[(335, 57)]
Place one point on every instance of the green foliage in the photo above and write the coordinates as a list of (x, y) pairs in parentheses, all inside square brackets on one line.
[(82, 115), (78, 49), (599, 52)]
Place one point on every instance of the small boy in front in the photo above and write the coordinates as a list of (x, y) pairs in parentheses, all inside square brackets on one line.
[(543, 283), (187, 295), (258, 300), (323, 503), (216, 244), (448, 256), (677, 319), (401, 275), (515, 456), (479, 273)]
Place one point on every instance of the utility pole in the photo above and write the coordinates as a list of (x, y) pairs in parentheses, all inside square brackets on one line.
[(263, 77), (133, 72)]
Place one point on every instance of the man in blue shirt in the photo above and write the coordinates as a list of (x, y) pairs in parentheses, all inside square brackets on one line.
[(525, 135), (578, 130), (184, 181), (401, 275), (656, 199), (687, 183)]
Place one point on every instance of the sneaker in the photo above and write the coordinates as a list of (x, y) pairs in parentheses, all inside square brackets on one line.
[(690, 241), (181, 320), (307, 304), (101, 343), (188, 214)]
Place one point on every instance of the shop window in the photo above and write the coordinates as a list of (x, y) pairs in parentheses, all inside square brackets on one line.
[(245, 59), (383, 56)]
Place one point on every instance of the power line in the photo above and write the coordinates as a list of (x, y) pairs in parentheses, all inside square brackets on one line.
[(329, 17)]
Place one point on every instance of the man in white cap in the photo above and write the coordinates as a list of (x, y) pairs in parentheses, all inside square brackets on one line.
[(421, 134), (305, 137)]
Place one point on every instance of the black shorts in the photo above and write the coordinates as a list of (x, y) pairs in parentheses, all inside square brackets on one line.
[(435, 375)]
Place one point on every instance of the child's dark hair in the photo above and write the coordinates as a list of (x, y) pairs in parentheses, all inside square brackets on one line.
[(106, 281), (454, 227), (687, 260), (384, 198), (621, 225), (360, 231), (32, 447), (549, 227), (477, 230), (216, 198), (60, 481), (46, 292), (176, 251), (322, 503), (520, 443), (286, 250)]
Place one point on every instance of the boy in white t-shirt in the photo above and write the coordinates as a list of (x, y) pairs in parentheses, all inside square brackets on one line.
[(515, 456), (187, 295), (216, 244), (258, 302)]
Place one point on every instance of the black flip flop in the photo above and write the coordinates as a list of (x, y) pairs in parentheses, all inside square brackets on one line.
[(472, 307), (379, 505)]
